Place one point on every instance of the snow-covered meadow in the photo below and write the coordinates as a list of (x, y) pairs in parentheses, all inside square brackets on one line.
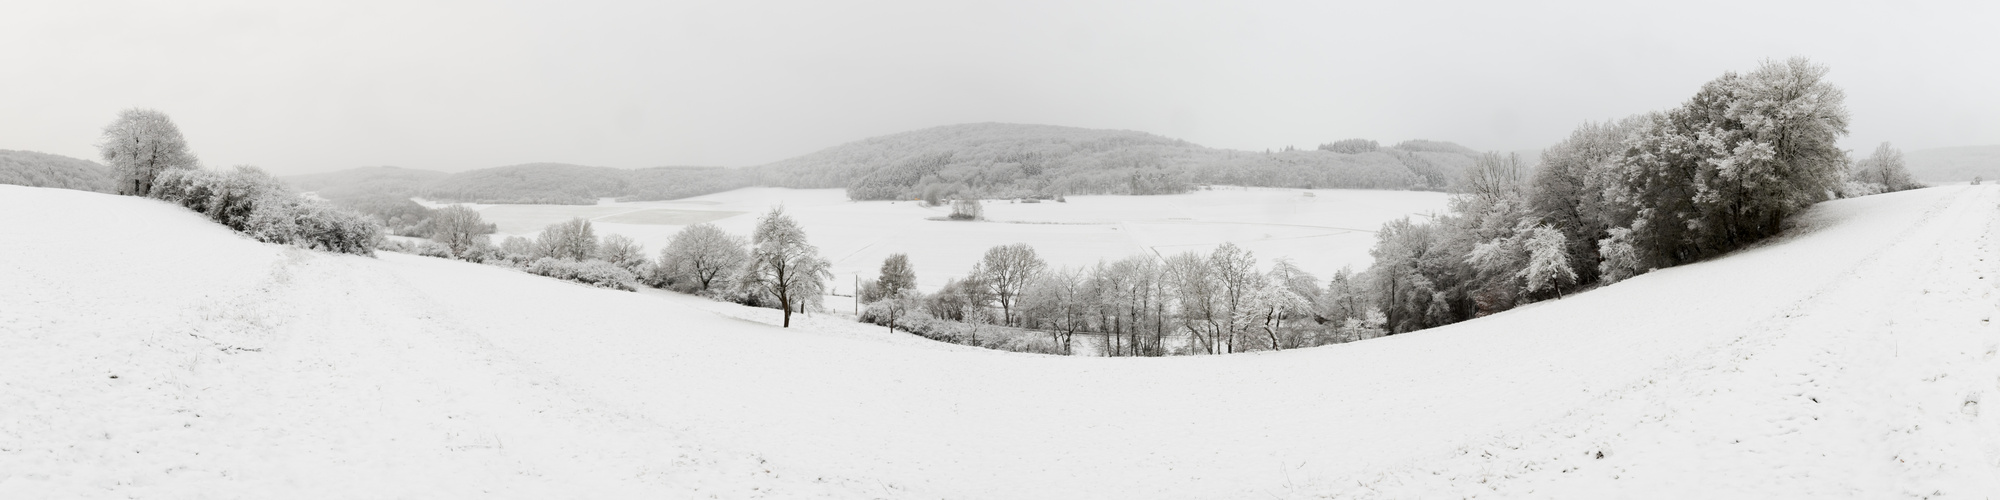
[(146, 352), (1321, 231)]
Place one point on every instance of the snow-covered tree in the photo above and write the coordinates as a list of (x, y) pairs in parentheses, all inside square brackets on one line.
[(897, 277), (1006, 271), (1548, 260), (701, 256), (458, 228), (139, 145), (1886, 170), (623, 252), (572, 240), (1617, 259), (967, 210), (1236, 273), (783, 266)]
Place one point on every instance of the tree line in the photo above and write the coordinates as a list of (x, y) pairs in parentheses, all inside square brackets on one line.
[(1725, 169)]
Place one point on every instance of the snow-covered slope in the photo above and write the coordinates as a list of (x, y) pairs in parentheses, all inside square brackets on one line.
[(1848, 359)]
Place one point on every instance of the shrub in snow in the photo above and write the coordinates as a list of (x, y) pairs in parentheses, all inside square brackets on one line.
[(967, 210), (433, 249), (313, 224), (590, 272), (249, 201)]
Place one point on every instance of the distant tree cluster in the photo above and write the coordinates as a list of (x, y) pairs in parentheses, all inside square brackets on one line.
[(1190, 303), (563, 184), (1351, 146), (774, 268)]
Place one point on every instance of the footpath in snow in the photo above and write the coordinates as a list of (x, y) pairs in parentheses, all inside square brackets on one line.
[(1849, 358)]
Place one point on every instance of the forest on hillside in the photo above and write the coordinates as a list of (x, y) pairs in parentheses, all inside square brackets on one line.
[(29, 168), (997, 160)]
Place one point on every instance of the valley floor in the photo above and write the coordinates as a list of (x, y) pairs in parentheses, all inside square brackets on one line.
[(145, 352)]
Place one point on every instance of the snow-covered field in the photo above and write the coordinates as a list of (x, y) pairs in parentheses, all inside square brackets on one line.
[(1320, 233), (145, 352)]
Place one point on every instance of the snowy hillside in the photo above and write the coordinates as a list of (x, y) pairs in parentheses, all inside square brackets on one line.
[(145, 352)]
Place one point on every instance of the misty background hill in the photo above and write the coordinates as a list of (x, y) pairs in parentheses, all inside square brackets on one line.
[(29, 168), (1951, 165), (985, 160)]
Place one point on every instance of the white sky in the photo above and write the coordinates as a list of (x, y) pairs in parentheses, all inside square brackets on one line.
[(316, 86)]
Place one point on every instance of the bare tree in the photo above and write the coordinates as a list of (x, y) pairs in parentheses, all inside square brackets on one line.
[(1006, 270), (783, 266), (458, 228), (141, 144)]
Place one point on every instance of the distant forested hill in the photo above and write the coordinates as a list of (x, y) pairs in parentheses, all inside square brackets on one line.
[(29, 168), (381, 192), (1010, 160), (986, 160), (548, 183), (1955, 164)]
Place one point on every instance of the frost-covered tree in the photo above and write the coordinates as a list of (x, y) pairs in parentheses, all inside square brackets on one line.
[(897, 277), (1885, 170), (967, 210), (1236, 274), (1281, 293), (1196, 293), (1617, 259), (518, 250), (572, 240), (623, 252), (139, 145), (701, 256), (783, 266), (1006, 270), (1548, 260), (1573, 185), (458, 228)]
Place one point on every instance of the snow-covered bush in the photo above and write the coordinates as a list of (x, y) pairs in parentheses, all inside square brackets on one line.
[(590, 272), (248, 201), (227, 198), (433, 249), (967, 210), (313, 224), (908, 315)]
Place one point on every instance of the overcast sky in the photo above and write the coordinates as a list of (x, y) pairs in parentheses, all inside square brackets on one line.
[(301, 87)]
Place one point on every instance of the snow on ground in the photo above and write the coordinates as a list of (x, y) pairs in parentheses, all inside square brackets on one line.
[(1320, 233), (1848, 359)]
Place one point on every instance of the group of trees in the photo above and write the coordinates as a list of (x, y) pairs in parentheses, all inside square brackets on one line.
[(1724, 170), (1617, 199), (776, 267), (149, 157), (1190, 303)]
